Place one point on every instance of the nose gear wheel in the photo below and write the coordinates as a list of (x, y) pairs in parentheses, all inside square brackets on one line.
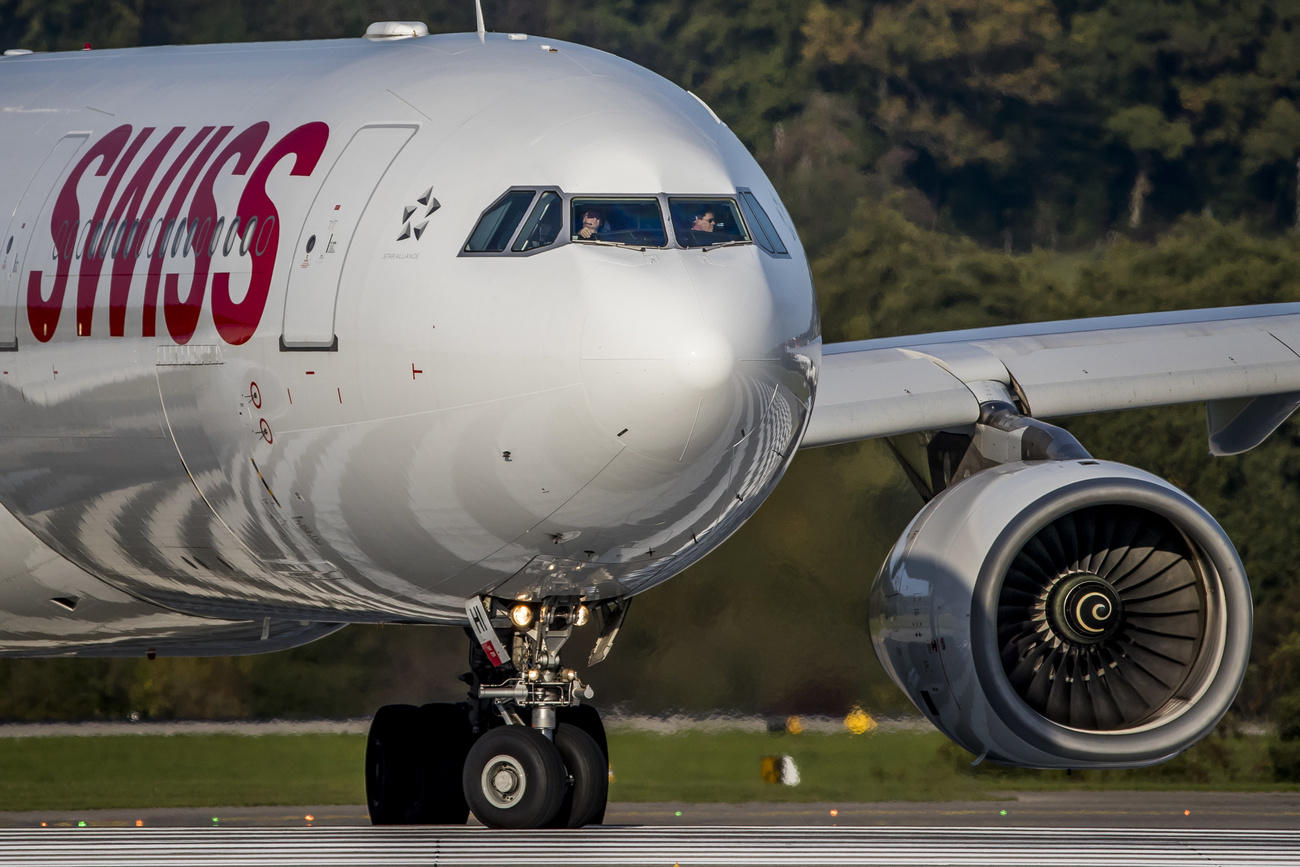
[(1101, 617), (588, 766), (504, 781), (514, 778)]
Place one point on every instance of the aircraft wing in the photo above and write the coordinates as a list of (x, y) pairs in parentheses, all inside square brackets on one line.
[(1243, 362)]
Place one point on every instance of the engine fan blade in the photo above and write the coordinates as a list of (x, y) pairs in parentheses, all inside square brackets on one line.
[(1100, 617), (1127, 530)]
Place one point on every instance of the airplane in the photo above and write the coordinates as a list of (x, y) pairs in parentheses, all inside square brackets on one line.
[(498, 332)]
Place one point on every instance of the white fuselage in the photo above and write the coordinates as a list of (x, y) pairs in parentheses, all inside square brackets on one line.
[(312, 404)]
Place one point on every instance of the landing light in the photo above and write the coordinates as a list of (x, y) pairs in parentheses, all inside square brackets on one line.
[(582, 616), (521, 616), (534, 674)]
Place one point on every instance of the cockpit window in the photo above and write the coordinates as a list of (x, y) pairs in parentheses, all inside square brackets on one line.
[(706, 222), (764, 232), (632, 222), (497, 225), (543, 225)]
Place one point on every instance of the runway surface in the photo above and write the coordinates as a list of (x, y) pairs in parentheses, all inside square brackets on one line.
[(334, 847), (1180, 811), (1078, 828)]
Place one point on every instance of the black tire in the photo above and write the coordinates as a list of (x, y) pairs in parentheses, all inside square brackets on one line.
[(587, 718), (447, 737), (588, 790), (514, 778), (394, 782), (414, 759)]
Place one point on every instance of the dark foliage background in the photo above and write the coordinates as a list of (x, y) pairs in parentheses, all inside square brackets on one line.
[(952, 163)]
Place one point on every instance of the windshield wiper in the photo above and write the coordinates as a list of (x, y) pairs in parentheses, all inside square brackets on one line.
[(599, 243), (723, 244)]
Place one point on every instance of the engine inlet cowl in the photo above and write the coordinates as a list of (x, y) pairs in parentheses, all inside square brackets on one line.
[(1065, 614)]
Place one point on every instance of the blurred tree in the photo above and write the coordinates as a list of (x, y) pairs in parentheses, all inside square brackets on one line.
[(1181, 85), (1275, 145), (1284, 665), (961, 83), (1144, 131), (880, 122), (71, 24)]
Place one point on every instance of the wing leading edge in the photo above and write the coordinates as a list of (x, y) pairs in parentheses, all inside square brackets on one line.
[(1243, 362)]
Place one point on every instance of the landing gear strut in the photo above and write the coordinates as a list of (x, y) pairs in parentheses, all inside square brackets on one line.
[(524, 752)]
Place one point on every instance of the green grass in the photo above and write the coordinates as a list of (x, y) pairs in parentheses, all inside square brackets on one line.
[(909, 766), (180, 771), (726, 767), (231, 770)]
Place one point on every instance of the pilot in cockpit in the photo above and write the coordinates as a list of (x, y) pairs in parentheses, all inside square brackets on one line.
[(702, 231), (704, 222), (592, 223)]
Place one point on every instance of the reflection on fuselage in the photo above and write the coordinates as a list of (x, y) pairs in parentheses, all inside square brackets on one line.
[(493, 400)]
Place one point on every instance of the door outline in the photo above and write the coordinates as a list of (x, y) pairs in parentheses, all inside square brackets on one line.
[(301, 344), (11, 278)]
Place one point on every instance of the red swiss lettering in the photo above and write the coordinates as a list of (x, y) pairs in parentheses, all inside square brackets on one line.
[(133, 226), (149, 311), (120, 226), (100, 237), (183, 315), (236, 321), (172, 226), (43, 313)]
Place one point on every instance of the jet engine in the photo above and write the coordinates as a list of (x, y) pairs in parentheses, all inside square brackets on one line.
[(1065, 614)]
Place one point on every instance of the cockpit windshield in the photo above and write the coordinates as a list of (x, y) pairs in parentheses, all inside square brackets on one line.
[(632, 222), (543, 226), (524, 221), (497, 225), (706, 222)]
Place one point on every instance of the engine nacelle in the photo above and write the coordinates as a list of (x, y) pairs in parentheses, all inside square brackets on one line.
[(1065, 614)]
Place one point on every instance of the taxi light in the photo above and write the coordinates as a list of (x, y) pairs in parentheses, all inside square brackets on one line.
[(521, 616), (533, 674), (569, 674), (584, 614)]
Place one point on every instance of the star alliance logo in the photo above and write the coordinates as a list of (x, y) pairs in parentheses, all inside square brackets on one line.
[(426, 203)]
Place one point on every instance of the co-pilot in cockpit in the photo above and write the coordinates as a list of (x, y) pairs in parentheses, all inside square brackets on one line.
[(706, 222)]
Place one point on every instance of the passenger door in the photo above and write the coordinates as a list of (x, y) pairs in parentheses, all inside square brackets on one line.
[(326, 237)]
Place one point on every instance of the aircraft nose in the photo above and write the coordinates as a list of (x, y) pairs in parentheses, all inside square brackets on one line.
[(704, 359), (679, 356)]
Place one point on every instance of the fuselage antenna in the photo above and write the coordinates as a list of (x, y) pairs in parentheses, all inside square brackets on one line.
[(478, 15)]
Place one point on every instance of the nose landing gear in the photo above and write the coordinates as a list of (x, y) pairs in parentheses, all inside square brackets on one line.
[(522, 753)]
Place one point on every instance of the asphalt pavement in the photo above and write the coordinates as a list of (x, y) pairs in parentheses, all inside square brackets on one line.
[(1045, 810)]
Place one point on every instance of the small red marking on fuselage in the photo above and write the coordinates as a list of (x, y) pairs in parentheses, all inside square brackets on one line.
[(415, 370), (340, 391), (290, 393)]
